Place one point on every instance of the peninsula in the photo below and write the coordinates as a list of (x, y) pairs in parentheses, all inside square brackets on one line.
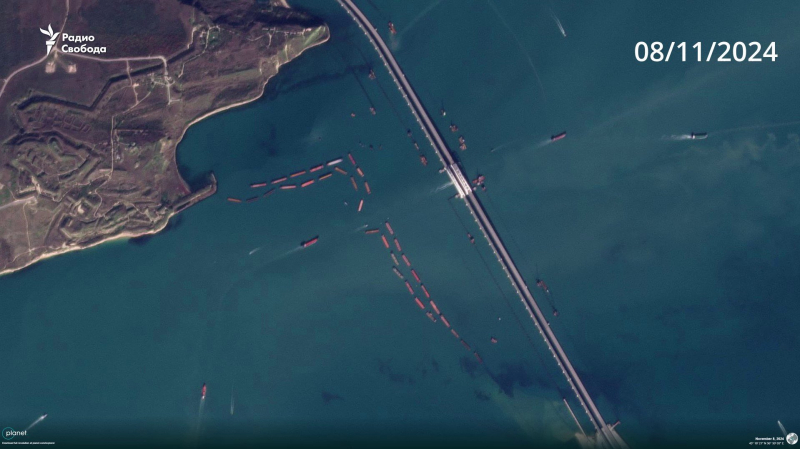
[(88, 139)]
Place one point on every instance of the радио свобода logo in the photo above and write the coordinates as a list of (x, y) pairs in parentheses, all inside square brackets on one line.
[(52, 41)]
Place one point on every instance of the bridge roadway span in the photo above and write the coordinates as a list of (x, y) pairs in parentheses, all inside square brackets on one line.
[(606, 435)]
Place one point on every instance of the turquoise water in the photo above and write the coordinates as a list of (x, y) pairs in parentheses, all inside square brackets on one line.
[(673, 264)]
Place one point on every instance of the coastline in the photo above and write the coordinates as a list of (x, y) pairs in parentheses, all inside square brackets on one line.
[(192, 198)]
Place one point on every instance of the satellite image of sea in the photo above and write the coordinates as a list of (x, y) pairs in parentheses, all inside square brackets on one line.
[(336, 285)]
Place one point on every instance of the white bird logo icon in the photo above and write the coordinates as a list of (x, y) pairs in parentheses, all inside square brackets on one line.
[(52, 41)]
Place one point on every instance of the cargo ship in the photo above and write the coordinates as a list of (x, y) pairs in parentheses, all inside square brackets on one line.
[(340, 170), (372, 231), (355, 186), (558, 136), (435, 309), (408, 286), (234, 200), (335, 161), (325, 176), (307, 183), (389, 227), (297, 173), (425, 290), (288, 187), (279, 180), (316, 168), (480, 360), (360, 205), (258, 184), (269, 192), (414, 273), (397, 244), (405, 259), (308, 243), (385, 242), (366, 187), (394, 258), (360, 172), (398, 273), (419, 303), (352, 159), (251, 199), (430, 315), (455, 334), (466, 345), (444, 320), (698, 136)]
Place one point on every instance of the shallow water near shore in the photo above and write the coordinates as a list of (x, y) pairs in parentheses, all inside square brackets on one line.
[(673, 263)]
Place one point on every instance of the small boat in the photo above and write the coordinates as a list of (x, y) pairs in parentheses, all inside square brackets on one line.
[(360, 205), (308, 243), (698, 136), (425, 290), (234, 200), (372, 74), (258, 184), (392, 29), (389, 227), (334, 162), (435, 309), (366, 187), (297, 173), (471, 238), (540, 283), (279, 180), (316, 168), (203, 392), (355, 186), (419, 303), (325, 176), (423, 159), (558, 136), (453, 127), (372, 110), (493, 340), (443, 112)]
